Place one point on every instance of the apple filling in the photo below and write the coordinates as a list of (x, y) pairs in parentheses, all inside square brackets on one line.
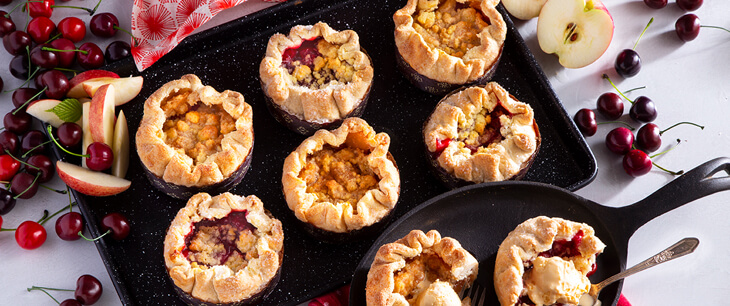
[(420, 272), (450, 26), (315, 63), (197, 130), (229, 241), (339, 175), (552, 278)]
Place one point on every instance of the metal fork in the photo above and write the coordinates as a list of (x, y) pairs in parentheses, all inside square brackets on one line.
[(477, 293)]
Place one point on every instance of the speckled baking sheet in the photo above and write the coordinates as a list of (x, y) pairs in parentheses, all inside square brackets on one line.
[(227, 57)]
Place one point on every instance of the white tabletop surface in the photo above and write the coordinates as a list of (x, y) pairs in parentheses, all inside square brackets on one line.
[(688, 82)]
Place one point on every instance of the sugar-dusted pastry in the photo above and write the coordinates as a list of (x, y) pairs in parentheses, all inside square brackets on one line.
[(481, 134), (546, 261), (444, 44), (342, 183), (224, 250), (193, 138), (315, 77), (420, 269)]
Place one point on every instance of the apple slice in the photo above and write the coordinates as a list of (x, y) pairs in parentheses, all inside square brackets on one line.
[(101, 115), (93, 183), (86, 130), (577, 31), (126, 88), (41, 110), (523, 9), (120, 149), (76, 84)]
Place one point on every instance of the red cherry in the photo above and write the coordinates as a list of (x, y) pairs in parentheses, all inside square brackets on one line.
[(72, 28), (43, 58), (94, 57), (17, 123), (57, 83), (40, 29), (100, 156), (9, 166), (9, 141), (117, 223), (41, 164), (65, 59), (70, 302), (7, 25), (619, 140), (69, 134), (585, 119), (30, 235), (687, 27), (69, 225), (104, 25), (16, 42), (636, 163), (689, 5), (7, 202), (610, 106), (656, 4), (24, 185), (648, 138), (22, 95), (88, 289), (38, 8)]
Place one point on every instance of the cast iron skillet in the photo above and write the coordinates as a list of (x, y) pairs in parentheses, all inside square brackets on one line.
[(481, 216)]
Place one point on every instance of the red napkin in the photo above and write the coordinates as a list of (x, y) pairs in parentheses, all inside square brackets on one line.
[(159, 25)]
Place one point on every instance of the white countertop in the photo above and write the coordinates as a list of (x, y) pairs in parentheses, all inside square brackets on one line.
[(687, 81)]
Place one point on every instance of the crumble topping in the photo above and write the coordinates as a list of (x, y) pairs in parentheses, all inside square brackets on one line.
[(339, 175), (198, 129), (450, 26)]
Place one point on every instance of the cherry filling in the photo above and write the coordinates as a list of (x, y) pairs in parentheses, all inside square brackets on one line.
[(304, 54), (220, 241), (565, 248)]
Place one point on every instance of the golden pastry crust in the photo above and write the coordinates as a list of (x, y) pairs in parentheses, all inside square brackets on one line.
[(434, 62), (458, 133), (172, 162), (220, 283), (535, 236), (340, 215), (330, 101), (392, 268)]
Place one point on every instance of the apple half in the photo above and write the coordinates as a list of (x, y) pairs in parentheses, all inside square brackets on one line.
[(76, 84), (126, 88), (120, 147), (577, 31), (101, 115), (524, 9), (93, 183)]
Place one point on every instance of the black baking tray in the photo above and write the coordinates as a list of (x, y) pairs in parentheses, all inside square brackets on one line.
[(227, 57)]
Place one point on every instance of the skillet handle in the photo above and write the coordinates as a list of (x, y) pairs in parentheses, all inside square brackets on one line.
[(690, 186)]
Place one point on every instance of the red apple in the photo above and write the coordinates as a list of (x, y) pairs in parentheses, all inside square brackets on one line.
[(89, 182), (577, 31), (126, 88), (101, 115), (76, 83), (86, 130)]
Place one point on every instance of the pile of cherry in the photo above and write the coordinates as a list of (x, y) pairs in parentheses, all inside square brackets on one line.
[(621, 140), (46, 54)]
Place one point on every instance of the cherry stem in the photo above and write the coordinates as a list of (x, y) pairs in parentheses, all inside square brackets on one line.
[(50, 134), (632, 89), (702, 127), (664, 152), (605, 76), (16, 7), (136, 43), (30, 77), (628, 126), (97, 238), (29, 186), (44, 217), (54, 190), (642, 32), (46, 292), (38, 146), (21, 161), (44, 220), (714, 27), (59, 50), (53, 38), (74, 71)]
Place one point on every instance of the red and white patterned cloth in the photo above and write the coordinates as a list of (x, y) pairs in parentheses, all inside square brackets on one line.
[(160, 25)]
